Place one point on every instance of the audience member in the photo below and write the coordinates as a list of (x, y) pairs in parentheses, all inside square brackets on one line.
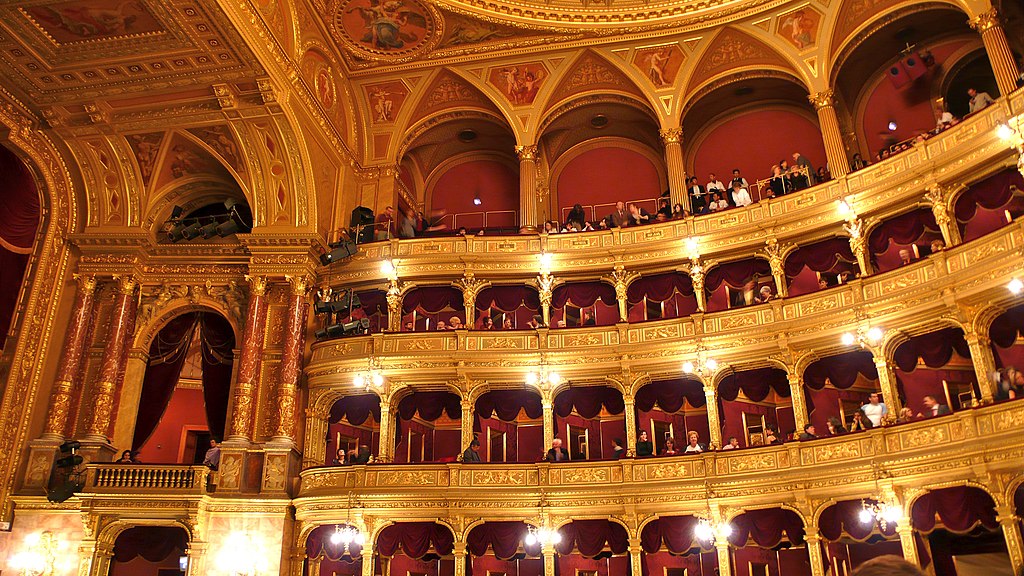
[(407, 224), (212, 459), (360, 455), (693, 445), (536, 322), (698, 202), (670, 447), (455, 323), (638, 215), (780, 183), (905, 257), (822, 283), (487, 323), (733, 444), (678, 212), (808, 433), (506, 324), (932, 408), (857, 163), (801, 161), (462, 231), (887, 565), (737, 179), (619, 218), (408, 327), (835, 426), (340, 457), (905, 415), (860, 422), (126, 458), (717, 204), (945, 119), (385, 224), (937, 246), (740, 195), (644, 447), (771, 436), (874, 409), (823, 174), (441, 325), (765, 295), (471, 455), (617, 449), (557, 453), (979, 100), (576, 215), (665, 208), (714, 185)]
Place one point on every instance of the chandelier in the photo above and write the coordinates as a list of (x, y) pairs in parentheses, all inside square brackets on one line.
[(542, 536), (346, 535), (371, 377), (878, 511), (703, 365), (542, 376), (865, 337), (707, 532), (39, 557)]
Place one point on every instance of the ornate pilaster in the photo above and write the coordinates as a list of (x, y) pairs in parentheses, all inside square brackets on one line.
[(630, 414), (635, 556), (549, 419), (984, 363), (115, 355), (549, 559), (814, 542), (467, 423), (545, 289), (291, 360), (394, 298), (714, 422), (938, 195), (724, 558), (799, 398), (386, 451), (673, 140), (367, 554), (69, 371), (459, 551), (697, 278), (859, 244), (835, 151), (621, 280), (773, 252), (471, 288), (1012, 533), (906, 534), (1000, 56), (887, 382), (527, 185), (249, 361)]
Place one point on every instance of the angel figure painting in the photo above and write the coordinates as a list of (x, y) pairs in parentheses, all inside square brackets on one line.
[(385, 26), (800, 28), (520, 83)]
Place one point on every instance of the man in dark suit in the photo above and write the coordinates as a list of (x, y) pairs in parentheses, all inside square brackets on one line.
[(557, 453), (619, 218), (471, 455), (933, 408), (698, 197), (808, 433)]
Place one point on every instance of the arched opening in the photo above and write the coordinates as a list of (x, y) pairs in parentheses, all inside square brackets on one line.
[(353, 432), (190, 366), (935, 373), (425, 308), (770, 541), (518, 304), (1008, 349), (672, 409), (415, 548), (428, 427), (582, 304), (738, 284), (754, 401), (902, 239), (719, 147), (509, 426), (601, 153), (589, 419), (499, 547), (596, 546), (328, 555), (837, 388), (957, 526), (990, 204), (658, 296), (849, 541), (149, 551), (19, 219), (670, 546), (820, 266)]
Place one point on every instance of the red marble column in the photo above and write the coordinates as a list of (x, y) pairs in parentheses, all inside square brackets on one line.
[(115, 356), (69, 371), (249, 362), (291, 359)]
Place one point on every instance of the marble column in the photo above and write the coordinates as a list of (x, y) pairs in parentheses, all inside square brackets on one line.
[(799, 398), (115, 356), (887, 383), (835, 151), (984, 364), (527, 185), (673, 140), (72, 359), (714, 422), (1010, 524), (1004, 66), (291, 361), (249, 362), (629, 401), (467, 423), (937, 195)]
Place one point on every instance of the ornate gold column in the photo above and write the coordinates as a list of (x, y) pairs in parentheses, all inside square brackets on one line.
[(394, 298), (724, 558), (630, 413), (467, 423), (527, 185), (249, 362), (887, 382), (998, 49), (549, 419), (714, 424), (773, 252), (115, 355), (459, 551), (1012, 533), (906, 534), (859, 244), (984, 363), (545, 290), (367, 554), (549, 559), (621, 280), (69, 371), (673, 140), (937, 195), (291, 360), (835, 151), (386, 449), (697, 278), (814, 551), (635, 556), (796, 391), (470, 287)]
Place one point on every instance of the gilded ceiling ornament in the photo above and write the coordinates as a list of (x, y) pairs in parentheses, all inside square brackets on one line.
[(385, 29)]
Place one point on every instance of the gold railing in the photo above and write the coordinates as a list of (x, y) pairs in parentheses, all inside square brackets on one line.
[(146, 477)]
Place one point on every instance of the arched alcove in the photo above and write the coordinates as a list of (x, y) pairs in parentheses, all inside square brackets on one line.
[(19, 219)]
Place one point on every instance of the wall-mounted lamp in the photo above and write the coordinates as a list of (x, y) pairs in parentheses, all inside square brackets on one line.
[(39, 555), (242, 555)]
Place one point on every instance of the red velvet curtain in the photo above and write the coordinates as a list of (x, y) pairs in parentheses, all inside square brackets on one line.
[(959, 509), (167, 355), (153, 543), (935, 348), (356, 409), (432, 299), (842, 518), (588, 401), (12, 271), (1007, 326), (218, 343), (990, 193), (659, 287), (767, 528), (503, 538), (591, 537), (430, 406), (507, 404), (841, 370), (583, 294), (415, 539), (319, 542), (670, 395), (756, 384), (676, 533), (736, 274), (822, 256), (904, 229), (19, 220), (508, 298)]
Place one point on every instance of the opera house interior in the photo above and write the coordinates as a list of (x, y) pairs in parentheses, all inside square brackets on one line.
[(511, 288)]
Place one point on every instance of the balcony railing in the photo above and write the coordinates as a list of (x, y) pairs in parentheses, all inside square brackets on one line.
[(146, 478)]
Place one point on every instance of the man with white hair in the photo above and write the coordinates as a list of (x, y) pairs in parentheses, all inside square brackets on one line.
[(557, 453)]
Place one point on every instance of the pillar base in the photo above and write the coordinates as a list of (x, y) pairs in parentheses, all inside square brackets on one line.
[(233, 474), (280, 471), (42, 453), (97, 449)]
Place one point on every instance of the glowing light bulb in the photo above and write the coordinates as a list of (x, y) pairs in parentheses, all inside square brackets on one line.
[(725, 529), (378, 379), (359, 380), (693, 247), (849, 339), (703, 531), (712, 364), (892, 514), (556, 537), (844, 208), (1016, 286), (865, 516), (531, 539), (688, 367), (545, 261), (337, 537), (387, 268), (1003, 131), (554, 378), (360, 538), (875, 335)]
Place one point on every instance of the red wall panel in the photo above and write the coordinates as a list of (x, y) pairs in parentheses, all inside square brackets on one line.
[(495, 182), (603, 176), (185, 409)]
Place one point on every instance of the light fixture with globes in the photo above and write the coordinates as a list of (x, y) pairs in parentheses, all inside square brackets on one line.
[(865, 337), (543, 377), (371, 378), (707, 532), (242, 555), (877, 510), (1015, 286), (542, 536)]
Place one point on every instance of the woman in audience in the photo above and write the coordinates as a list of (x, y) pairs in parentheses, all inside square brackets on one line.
[(665, 208), (771, 437), (905, 415), (507, 324), (693, 445), (644, 447), (670, 447), (860, 422), (638, 216), (857, 163), (678, 212), (487, 323), (576, 216), (340, 457), (835, 426), (740, 195), (779, 183), (823, 174)]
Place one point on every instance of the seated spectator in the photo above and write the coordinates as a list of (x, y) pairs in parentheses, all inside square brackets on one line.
[(874, 410), (765, 295), (441, 325), (808, 433), (549, 228), (979, 100), (678, 212), (717, 204), (340, 457), (932, 408), (126, 458), (408, 327), (945, 119), (823, 175), (771, 436), (660, 217), (470, 455), (835, 426), (480, 232), (733, 444), (560, 324), (905, 257), (740, 196), (587, 227), (857, 163), (698, 197), (693, 445), (670, 447), (487, 323), (905, 415), (536, 322), (860, 422), (360, 455), (212, 458), (644, 447), (455, 323), (385, 224), (619, 218), (557, 453), (1011, 384), (617, 449), (576, 215), (638, 215), (507, 324), (937, 246), (822, 284), (887, 566), (665, 208)]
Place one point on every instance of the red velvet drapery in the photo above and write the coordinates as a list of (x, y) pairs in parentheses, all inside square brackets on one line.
[(592, 537), (958, 508), (505, 539), (356, 409), (587, 401), (755, 384), (842, 519), (841, 370), (153, 543), (415, 539), (673, 533), (935, 348), (506, 404), (767, 528), (670, 395), (19, 220)]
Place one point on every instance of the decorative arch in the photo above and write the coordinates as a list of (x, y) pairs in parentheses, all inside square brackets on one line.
[(732, 50), (723, 373), (109, 533), (727, 78), (629, 100), (145, 333), (657, 160), (448, 90), (591, 73)]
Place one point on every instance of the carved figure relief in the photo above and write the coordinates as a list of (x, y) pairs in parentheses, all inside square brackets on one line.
[(324, 86), (660, 64), (384, 28), (519, 82), (223, 143), (466, 31), (386, 100), (800, 28), (147, 150)]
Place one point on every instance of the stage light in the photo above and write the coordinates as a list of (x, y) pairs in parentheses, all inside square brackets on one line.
[(192, 231)]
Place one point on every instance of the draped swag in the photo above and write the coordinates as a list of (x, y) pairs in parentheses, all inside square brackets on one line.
[(504, 539), (592, 537), (672, 533), (904, 229), (767, 528), (356, 409), (755, 384), (153, 543), (991, 193), (167, 355), (583, 294), (841, 370), (430, 406), (659, 288), (935, 349), (506, 404), (432, 299), (842, 519), (832, 255), (736, 274), (670, 395), (1007, 327), (319, 544), (508, 298), (587, 401), (415, 539), (959, 509)]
